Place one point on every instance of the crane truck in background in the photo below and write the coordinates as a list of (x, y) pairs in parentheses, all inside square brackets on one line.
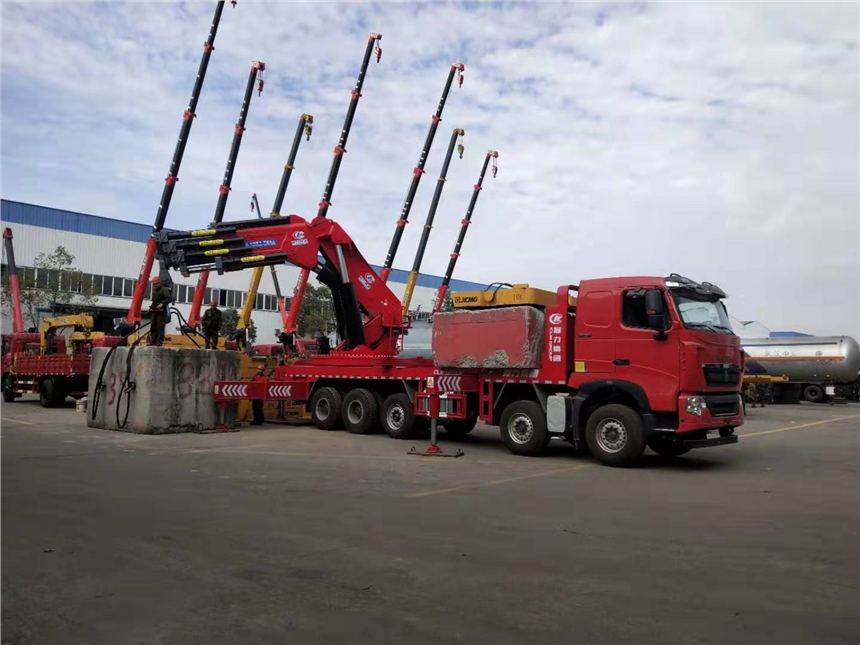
[(50, 363), (609, 364), (811, 368)]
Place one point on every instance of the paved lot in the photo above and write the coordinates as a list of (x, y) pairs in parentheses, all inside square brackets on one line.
[(290, 534)]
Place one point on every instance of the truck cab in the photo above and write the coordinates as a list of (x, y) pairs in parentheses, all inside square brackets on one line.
[(667, 344)]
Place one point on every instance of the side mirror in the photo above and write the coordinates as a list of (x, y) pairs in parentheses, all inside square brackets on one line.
[(656, 310)]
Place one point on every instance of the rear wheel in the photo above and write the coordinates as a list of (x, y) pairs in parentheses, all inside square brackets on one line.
[(326, 407), (813, 393), (461, 427), (523, 428), (615, 435), (667, 445), (51, 394), (398, 417), (360, 412), (8, 388)]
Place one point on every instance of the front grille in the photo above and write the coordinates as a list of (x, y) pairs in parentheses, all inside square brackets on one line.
[(722, 375), (723, 405)]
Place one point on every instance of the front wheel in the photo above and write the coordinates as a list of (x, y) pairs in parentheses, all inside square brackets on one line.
[(615, 435), (8, 389), (523, 428), (51, 393)]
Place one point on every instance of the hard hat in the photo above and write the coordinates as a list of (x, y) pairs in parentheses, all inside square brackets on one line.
[(213, 303), (156, 280)]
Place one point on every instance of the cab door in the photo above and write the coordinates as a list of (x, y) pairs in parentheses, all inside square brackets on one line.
[(594, 342), (647, 346)]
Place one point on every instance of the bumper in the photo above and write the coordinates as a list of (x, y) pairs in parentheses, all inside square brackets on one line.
[(709, 443), (688, 422)]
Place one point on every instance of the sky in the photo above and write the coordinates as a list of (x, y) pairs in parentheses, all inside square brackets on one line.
[(716, 140)]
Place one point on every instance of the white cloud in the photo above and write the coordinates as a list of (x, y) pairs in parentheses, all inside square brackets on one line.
[(718, 140)]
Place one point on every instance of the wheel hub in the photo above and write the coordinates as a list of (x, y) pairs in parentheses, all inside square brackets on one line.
[(520, 428), (395, 418), (322, 409), (355, 412), (611, 435)]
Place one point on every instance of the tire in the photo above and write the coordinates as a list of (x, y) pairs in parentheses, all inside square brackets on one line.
[(8, 389), (523, 428), (398, 417), (813, 393), (48, 391), (726, 432), (615, 435), (461, 427), (667, 445), (326, 405), (360, 411)]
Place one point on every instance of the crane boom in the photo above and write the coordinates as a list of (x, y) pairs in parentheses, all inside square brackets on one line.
[(299, 292), (456, 136), (443, 288), (134, 312), (419, 169), (321, 246), (254, 77), (17, 316), (305, 128)]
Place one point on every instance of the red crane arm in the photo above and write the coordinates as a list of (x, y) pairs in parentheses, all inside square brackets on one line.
[(320, 246)]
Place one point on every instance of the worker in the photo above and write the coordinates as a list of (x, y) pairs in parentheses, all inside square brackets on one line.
[(323, 344), (257, 404), (212, 325), (286, 339), (161, 299)]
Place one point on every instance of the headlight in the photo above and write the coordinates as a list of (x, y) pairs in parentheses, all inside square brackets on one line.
[(696, 405)]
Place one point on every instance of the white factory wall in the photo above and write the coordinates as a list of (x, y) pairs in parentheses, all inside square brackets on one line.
[(121, 258)]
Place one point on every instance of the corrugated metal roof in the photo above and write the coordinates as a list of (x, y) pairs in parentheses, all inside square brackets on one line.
[(63, 220)]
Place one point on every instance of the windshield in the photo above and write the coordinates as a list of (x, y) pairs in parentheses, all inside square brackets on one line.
[(702, 314)]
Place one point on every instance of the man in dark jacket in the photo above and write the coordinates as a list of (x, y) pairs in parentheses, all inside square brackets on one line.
[(211, 325), (161, 299)]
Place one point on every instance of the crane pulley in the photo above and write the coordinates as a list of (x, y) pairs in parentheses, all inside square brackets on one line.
[(458, 69), (493, 156), (134, 312), (257, 68), (456, 139), (299, 292)]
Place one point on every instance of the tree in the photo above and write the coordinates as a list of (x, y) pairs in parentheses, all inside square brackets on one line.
[(55, 285), (317, 312), (447, 303), (229, 320)]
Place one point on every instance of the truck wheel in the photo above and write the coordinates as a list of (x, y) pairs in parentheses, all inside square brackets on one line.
[(8, 389), (667, 445), (360, 411), (461, 427), (398, 417), (615, 435), (326, 405), (48, 393), (523, 428), (813, 393)]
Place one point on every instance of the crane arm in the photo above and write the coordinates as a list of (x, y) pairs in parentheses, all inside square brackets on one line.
[(254, 78), (320, 246), (305, 128), (17, 316), (134, 311)]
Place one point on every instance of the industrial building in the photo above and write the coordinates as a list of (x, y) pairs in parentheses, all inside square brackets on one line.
[(110, 251)]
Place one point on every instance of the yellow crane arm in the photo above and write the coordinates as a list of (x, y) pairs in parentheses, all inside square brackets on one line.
[(245, 317)]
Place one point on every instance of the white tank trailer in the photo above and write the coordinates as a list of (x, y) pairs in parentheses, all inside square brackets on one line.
[(817, 367)]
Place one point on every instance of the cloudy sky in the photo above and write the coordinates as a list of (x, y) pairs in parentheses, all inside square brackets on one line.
[(716, 140)]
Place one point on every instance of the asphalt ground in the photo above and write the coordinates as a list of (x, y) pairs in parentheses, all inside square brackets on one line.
[(289, 534)]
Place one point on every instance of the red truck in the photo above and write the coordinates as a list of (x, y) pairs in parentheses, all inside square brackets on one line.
[(611, 365)]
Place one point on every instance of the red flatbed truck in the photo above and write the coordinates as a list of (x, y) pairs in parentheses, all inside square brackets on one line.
[(627, 362)]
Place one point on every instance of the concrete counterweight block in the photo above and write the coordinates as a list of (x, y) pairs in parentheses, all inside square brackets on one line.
[(172, 389)]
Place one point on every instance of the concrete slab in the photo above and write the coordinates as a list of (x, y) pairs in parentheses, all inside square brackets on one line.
[(170, 390)]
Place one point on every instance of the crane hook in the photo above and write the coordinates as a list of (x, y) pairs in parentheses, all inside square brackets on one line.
[(495, 167), (233, 2), (460, 147), (460, 78), (252, 201), (378, 53), (308, 130)]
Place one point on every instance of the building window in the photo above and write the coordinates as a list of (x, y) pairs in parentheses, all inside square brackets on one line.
[(41, 278), (117, 287), (128, 287), (191, 291), (222, 297), (270, 303), (259, 303), (107, 285), (147, 295), (183, 293), (207, 295)]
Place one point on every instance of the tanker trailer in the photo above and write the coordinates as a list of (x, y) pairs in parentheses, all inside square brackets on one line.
[(817, 367)]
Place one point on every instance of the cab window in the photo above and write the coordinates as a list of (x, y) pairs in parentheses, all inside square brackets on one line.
[(634, 312)]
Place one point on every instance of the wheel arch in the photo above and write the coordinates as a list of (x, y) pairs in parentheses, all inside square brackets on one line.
[(595, 394)]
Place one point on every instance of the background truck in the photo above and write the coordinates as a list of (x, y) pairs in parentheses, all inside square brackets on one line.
[(816, 368), (612, 365)]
